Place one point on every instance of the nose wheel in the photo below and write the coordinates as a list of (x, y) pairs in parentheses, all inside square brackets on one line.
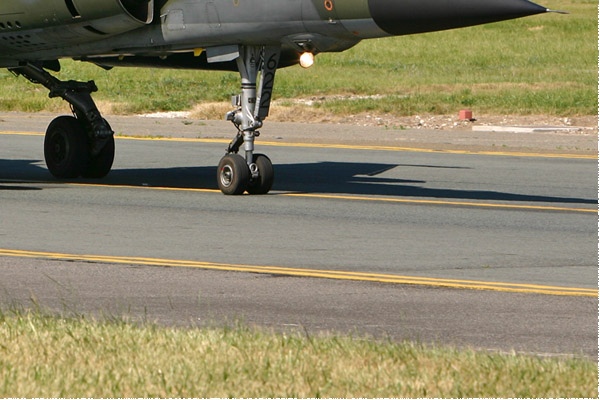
[(262, 183), (235, 176)]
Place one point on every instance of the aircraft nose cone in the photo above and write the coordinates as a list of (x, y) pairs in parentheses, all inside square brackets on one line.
[(403, 17)]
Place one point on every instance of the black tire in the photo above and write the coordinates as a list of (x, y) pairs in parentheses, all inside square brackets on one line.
[(266, 175), (233, 174), (100, 165), (65, 148)]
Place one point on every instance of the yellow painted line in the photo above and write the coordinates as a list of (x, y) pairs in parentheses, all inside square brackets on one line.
[(362, 198), (344, 146), (312, 273), (21, 133), (161, 188), (346, 197), (424, 150), (376, 148), (442, 202)]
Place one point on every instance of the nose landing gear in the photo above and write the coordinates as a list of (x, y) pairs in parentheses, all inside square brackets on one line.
[(252, 172)]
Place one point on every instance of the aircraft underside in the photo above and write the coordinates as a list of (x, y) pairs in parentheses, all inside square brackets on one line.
[(254, 37)]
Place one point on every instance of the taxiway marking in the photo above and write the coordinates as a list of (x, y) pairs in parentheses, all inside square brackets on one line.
[(362, 198), (344, 146), (311, 273), (443, 202), (498, 206)]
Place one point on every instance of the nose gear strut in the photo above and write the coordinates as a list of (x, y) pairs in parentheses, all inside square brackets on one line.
[(255, 64)]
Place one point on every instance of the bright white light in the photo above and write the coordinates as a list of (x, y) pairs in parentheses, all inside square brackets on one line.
[(307, 60)]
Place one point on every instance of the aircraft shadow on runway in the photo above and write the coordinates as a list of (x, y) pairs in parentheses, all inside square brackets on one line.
[(323, 177), (18, 174)]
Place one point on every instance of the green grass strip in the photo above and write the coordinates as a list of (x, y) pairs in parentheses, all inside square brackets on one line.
[(49, 356), (541, 65)]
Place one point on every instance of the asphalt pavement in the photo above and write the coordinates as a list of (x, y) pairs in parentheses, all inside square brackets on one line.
[(472, 242)]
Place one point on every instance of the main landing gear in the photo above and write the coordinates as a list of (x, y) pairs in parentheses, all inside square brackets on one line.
[(79, 145), (250, 172), (83, 144)]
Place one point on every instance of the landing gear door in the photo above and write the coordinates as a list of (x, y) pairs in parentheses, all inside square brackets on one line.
[(270, 60)]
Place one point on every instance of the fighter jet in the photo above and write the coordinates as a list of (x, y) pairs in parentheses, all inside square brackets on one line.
[(253, 37)]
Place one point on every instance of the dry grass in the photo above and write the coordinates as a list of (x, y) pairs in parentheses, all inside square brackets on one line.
[(279, 112), (56, 357)]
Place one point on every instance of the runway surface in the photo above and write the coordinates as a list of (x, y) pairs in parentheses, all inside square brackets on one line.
[(491, 251)]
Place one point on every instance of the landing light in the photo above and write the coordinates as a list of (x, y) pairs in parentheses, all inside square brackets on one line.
[(307, 60)]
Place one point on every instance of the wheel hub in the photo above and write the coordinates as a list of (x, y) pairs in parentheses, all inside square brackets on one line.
[(226, 175), (60, 148)]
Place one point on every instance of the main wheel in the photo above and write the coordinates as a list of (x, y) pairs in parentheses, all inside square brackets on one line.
[(65, 148), (99, 166), (266, 175), (233, 174)]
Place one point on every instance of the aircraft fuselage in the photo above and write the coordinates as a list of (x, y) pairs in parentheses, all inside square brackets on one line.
[(52, 29)]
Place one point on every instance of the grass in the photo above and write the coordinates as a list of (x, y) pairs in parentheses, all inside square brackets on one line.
[(45, 356), (545, 64)]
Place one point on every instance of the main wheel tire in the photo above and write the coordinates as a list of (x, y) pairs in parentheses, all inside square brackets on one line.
[(100, 165), (65, 148), (233, 174), (266, 175)]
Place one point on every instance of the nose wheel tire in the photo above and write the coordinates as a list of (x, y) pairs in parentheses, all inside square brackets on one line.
[(233, 174), (263, 183)]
